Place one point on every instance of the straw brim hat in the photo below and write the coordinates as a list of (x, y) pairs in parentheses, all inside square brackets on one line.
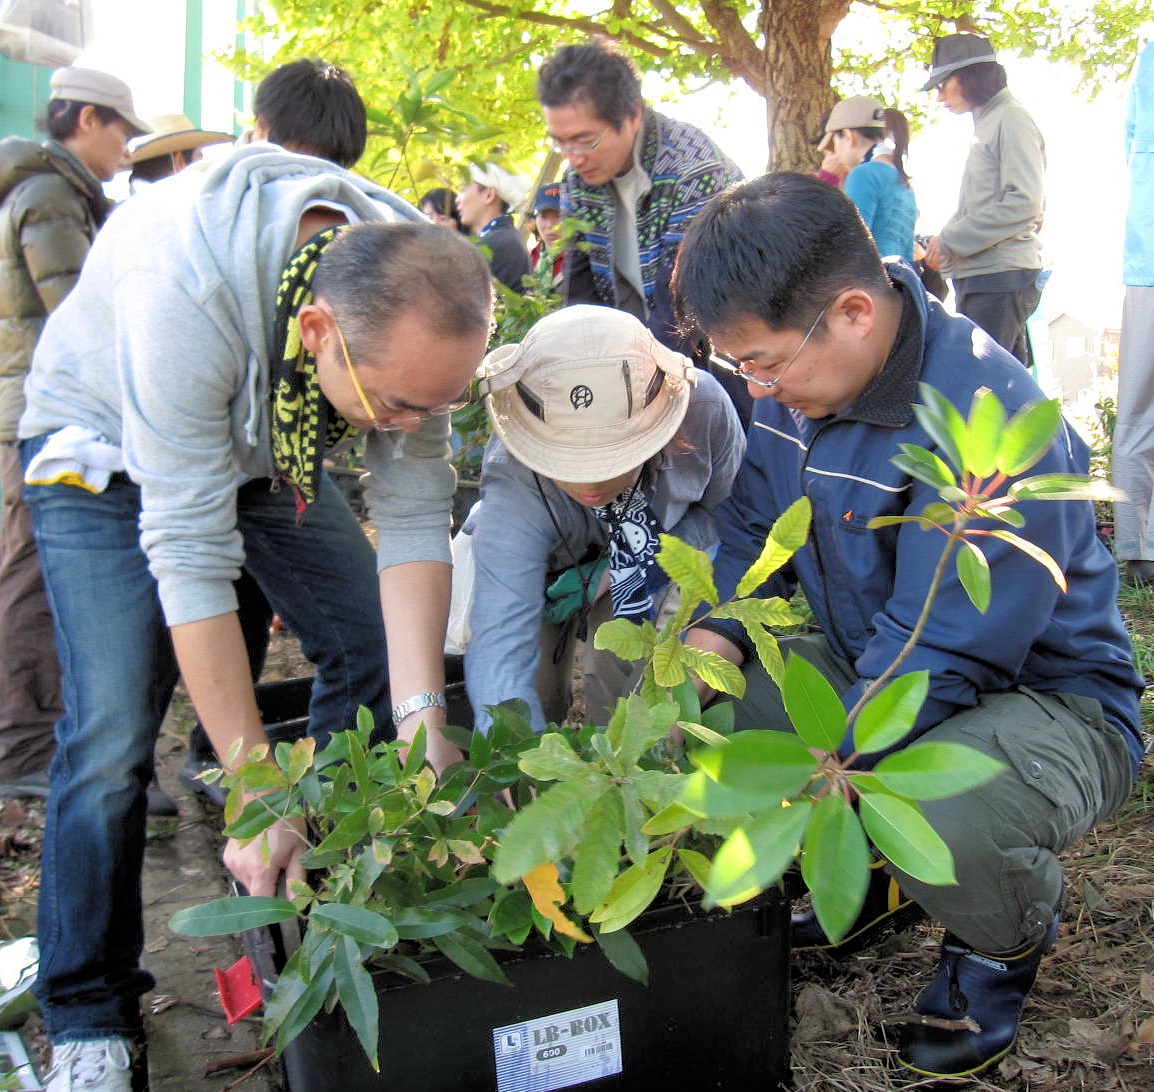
[(174, 133), (588, 395)]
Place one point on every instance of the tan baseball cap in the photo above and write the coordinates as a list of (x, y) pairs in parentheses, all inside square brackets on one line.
[(858, 112), (99, 89)]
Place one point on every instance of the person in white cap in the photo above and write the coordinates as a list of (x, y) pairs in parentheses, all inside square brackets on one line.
[(603, 438), (173, 144), (51, 206), (990, 246), (483, 205)]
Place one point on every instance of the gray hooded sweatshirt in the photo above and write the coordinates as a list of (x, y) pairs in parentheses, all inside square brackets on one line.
[(163, 348)]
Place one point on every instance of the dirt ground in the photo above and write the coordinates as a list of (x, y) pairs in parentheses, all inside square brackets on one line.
[(1089, 1023)]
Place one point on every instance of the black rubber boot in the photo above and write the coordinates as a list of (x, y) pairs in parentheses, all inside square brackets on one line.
[(886, 909), (983, 990)]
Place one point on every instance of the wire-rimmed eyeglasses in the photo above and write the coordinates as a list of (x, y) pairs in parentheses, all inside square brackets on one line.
[(412, 415), (580, 147), (738, 368)]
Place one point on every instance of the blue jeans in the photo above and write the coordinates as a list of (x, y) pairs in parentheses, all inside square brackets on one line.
[(118, 675)]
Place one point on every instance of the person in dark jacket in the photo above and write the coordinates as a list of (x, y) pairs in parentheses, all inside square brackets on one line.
[(783, 277), (483, 205), (51, 206)]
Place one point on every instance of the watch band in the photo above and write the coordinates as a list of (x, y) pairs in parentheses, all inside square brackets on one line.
[(416, 703)]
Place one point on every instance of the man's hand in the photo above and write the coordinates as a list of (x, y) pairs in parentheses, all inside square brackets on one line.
[(259, 864), (933, 256)]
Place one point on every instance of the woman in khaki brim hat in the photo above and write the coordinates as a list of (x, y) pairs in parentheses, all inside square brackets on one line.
[(173, 144), (603, 439)]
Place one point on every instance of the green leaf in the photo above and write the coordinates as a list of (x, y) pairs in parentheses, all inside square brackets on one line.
[(623, 952), (598, 854), (836, 865), (714, 670), (814, 707), (751, 771), (757, 854), (632, 892), (352, 829), (511, 915), (696, 864), (418, 923), (547, 829), (902, 835), (924, 466), (301, 755), (625, 639), (974, 574), (1028, 436), (773, 612), (1032, 551), (786, 537), (987, 422), (671, 818), (414, 757), (688, 703), (472, 957), (889, 716), (719, 717), (636, 844), (933, 771), (700, 732), (307, 1003), (688, 567), (358, 997), (939, 417), (363, 925), (555, 760), (669, 662), (642, 727), (768, 655), (234, 915)]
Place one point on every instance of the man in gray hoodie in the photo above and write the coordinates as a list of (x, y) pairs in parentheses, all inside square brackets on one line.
[(179, 407)]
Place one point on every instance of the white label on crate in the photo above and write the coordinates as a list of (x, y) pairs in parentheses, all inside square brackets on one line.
[(558, 1051)]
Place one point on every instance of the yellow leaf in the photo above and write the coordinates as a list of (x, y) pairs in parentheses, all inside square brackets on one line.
[(544, 888)]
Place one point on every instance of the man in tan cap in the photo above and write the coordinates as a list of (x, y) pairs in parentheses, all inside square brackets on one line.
[(51, 205), (173, 144)]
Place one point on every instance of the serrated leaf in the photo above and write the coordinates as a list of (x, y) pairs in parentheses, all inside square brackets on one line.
[(553, 759), (688, 567), (902, 835), (358, 997), (974, 574), (924, 466), (544, 887), (984, 428), (547, 829), (889, 716), (757, 854), (1028, 436), (632, 892), (625, 639), (624, 953), (668, 663), (773, 612), (933, 771), (714, 670), (786, 537), (836, 865), (814, 707), (233, 915), (598, 854), (768, 655)]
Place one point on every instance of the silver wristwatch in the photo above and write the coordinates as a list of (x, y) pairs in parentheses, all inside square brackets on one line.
[(416, 703)]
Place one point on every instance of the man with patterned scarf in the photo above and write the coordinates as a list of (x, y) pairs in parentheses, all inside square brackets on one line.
[(230, 324), (635, 180)]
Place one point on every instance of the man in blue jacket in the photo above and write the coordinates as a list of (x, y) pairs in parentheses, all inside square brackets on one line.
[(782, 276)]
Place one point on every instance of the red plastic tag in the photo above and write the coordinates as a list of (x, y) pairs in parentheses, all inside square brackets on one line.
[(239, 990)]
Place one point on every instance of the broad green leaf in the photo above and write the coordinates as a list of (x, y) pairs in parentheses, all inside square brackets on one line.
[(657, 788), (598, 854), (757, 854), (1065, 487), (902, 835), (891, 713), (548, 828), (403, 965), (418, 923), (944, 424), (696, 864), (1032, 551), (924, 466), (636, 844), (719, 717), (234, 915), (348, 832), (786, 537), (773, 612), (554, 759), (671, 818), (363, 925), (472, 957), (974, 574), (510, 916), (358, 997), (700, 732), (625, 639), (262, 777), (464, 893), (714, 670), (984, 428), (1028, 436), (307, 1004), (752, 771), (933, 771), (813, 705), (415, 755), (835, 865), (688, 703), (624, 953), (643, 726), (688, 567), (632, 892), (669, 662)]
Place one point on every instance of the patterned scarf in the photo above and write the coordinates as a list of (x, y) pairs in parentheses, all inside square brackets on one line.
[(634, 576), (303, 424)]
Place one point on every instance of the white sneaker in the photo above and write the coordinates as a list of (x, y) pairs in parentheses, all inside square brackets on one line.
[(104, 1064)]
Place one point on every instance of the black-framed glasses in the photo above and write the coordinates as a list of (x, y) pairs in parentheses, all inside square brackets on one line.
[(414, 415), (739, 368), (580, 147)]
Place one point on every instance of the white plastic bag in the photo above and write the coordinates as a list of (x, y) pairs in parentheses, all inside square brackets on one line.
[(459, 631), (44, 32)]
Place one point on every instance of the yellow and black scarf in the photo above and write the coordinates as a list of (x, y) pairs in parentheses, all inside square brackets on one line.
[(303, 423)]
